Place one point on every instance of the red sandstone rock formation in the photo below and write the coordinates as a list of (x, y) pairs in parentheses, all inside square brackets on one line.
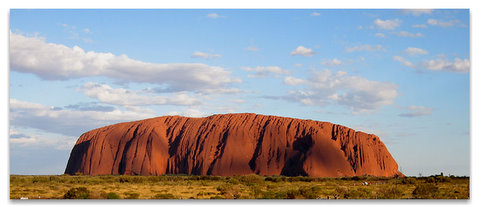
[(230, 144)]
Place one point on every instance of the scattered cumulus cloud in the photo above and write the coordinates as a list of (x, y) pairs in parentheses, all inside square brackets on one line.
[(123, 97), (415, 51), (380, 35), (419, 26), (315, 14), (265, 71), (331, 62), (190, 112), (365, 47), (404, 61), (52, 61), (204, 55), (74, 34), (443, 64), (326, 87), (388, 24), (416, 111), (41, 139), (435, 22), (408, 34), (417, 12), (68, 122), (302, 51), (293, 81), (89, 106)]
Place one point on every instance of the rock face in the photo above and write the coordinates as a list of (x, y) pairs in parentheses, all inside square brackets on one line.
[(230, 144)]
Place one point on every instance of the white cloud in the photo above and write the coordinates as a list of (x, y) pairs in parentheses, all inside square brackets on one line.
[(294, 81), (315, 14), (123, 97), (380, 35), (69, 122), (265, 71), (365, 47), (417, 12), (441, 64), (415, 51), (408, 34), (303, 51), (190, 112), (357, 93), (388, 24), (419, 26), (435, 22), (416, 111), (204, 55), (332, 62), (404, 61), (58, 62), (42, 139), (73, 34)]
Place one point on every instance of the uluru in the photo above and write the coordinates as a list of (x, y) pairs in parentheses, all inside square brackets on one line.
[(230, 144)]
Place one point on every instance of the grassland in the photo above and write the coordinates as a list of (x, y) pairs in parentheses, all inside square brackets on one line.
[(236, 187)]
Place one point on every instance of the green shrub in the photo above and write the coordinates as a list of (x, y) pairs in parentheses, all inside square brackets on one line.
[(430, 180), (251, 179), (233, 181), (443, 179), (293, 194), (408, 180), (113, 195), (276, 179), (273, 195), (229, 191), (358, 193), (425, 191), (164, 196), (389, 192), (40, 179), (132, 179), (310, 192), (77, 193)]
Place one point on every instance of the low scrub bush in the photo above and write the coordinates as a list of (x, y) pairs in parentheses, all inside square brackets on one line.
[(358, 193), (409, 180), (113, 195), (251, 179), (229, 191), (425, 191), (164, 196), (77, 193), (276, 179), (389, 192)]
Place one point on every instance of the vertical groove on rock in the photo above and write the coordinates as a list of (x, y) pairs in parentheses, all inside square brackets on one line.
[(252, 162)]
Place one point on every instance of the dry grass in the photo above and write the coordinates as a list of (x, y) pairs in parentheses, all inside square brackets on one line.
[(237, 187)]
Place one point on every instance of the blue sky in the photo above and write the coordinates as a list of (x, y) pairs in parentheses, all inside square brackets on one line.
[(403, 75)]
